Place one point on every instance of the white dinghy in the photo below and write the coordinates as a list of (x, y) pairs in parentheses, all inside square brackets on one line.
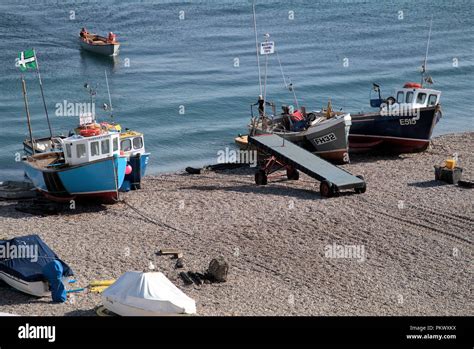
[(146, 294)]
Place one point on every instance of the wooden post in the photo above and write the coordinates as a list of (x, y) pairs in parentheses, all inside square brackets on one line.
[(25, 97)]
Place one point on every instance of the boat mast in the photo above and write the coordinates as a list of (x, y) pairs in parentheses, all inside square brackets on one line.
[(25, 98), (42, 96), (256, 48), (423, 67), (108, 91), (265, 81)]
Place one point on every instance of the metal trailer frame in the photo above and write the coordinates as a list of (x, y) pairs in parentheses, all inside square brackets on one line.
[(281, 153)]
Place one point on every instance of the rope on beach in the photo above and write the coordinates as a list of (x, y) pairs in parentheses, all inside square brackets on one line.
[(153, 220)]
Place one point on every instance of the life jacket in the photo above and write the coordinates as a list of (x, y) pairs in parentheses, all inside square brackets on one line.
[(297, 116)]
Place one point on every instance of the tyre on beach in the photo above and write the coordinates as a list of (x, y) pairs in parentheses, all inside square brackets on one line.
[(327, 189), (361, 190), (292, 174), (261, 177)]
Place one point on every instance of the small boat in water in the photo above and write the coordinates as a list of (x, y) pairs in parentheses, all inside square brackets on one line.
[(106, 46)]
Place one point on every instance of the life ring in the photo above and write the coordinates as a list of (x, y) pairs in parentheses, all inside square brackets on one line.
[(90, 132), (412, 85)]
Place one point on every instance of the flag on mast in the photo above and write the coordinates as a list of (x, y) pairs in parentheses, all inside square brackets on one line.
[(26, 59)]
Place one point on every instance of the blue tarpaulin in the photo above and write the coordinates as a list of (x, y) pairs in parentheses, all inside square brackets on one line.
[(38, 254), (53, 271)]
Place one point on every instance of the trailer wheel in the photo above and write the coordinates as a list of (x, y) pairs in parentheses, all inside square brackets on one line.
[(292, 174), (261, 177), (326, 189), (361, 190)]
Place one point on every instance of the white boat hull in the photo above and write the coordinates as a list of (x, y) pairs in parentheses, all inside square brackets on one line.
[(104, 49), (35, 288)]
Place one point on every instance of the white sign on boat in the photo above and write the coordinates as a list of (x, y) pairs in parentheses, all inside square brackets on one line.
[(86, 118), (267, 47)]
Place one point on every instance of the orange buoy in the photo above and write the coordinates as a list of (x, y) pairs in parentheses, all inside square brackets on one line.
[(90, 132), (412, 85)]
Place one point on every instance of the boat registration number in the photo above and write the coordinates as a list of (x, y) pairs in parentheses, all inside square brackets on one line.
[(404, 122), (325, 139)]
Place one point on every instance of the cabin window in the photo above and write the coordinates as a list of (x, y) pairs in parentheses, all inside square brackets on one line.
[(95, 149), (115, 144), (137, 143), (432, 100), (126, 145), (68, 151), (421, 98), (409, 97), (81, 150), (105, 145), (400, 97)]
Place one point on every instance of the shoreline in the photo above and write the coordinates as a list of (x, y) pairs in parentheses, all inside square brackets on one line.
[(415, 234)]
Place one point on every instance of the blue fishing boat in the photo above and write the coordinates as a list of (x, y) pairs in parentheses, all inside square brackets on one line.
[(87, 167)]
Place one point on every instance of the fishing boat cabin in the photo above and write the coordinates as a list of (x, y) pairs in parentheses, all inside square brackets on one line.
[(79, 149), (132, 143), (412, 95), (416, 96)]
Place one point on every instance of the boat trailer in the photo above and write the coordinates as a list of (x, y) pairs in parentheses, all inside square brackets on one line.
[(282, 154)]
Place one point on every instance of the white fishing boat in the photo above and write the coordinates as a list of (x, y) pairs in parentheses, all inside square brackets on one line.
[(106, 46), (146, 294)]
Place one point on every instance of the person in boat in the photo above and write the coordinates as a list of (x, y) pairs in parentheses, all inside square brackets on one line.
[(84, 33), (261, 105), (111, 38)]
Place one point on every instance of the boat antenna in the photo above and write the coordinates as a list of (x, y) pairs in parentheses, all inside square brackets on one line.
[(256, 48), (42, 96), (108, 91), (423, 67), (92, 92), (28, 120), (289, 86)]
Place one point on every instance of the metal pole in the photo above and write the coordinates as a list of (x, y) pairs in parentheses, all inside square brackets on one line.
[(42, 96), (25, 98), (426, 54), (256, 48), (108, 91), (265, 81)]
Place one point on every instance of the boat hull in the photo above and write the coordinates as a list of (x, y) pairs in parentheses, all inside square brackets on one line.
[(405, 133), (139, 165), (104, 49), (329, 139), (34, 288), (95, 181)]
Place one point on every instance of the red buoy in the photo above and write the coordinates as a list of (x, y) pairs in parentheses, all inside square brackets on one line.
[(412, 85)]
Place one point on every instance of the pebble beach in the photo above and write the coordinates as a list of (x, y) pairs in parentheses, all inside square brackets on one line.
[(413, 237)]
